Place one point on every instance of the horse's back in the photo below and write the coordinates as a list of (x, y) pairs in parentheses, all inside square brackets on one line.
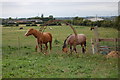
[(50, 35), (81, 38), (47, 36)]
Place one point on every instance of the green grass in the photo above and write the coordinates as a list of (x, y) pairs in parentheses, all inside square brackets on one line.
[(20, 60)]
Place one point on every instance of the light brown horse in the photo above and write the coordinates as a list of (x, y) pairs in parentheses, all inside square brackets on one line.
[(42, 38), (71, 40)]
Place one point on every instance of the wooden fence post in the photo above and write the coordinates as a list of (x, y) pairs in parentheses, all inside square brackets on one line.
[(96, 35), (93, 46), (116, 44)]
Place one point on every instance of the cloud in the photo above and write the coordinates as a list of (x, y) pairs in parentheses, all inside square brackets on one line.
[(27, 9), (59, 0)]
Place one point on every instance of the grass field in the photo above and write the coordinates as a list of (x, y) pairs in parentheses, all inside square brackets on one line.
[(20, 60)]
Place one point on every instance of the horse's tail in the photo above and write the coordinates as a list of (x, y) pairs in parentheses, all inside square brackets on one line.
[(50, 42), (65, 45), (85, 44), (50, 35), (50, 45)]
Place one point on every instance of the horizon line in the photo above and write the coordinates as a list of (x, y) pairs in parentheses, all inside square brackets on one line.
[(64, 16)]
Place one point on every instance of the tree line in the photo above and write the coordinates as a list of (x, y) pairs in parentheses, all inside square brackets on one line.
[(115, 23), (78, 21)]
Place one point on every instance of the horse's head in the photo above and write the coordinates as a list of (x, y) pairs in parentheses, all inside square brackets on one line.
[(29, 32), (65, 50)]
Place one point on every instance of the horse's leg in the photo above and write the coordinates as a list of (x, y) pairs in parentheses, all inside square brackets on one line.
[(85, 45), (36, 48), (71, 49), (46, 46), (50, 45), (83, 50), (40, 47), (75, 49), (37, 45)]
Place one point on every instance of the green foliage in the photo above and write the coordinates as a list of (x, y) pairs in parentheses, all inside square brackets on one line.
[(105, 23), (117, 23), (10, 18), (17, 24), (51, 16), (27, 24), (33, 25), (78, 21)]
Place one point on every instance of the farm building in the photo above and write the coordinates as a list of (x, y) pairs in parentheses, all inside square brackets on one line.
[(95, 19), (31, 20)]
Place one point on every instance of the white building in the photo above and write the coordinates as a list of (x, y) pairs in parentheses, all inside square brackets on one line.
[(96, 19)]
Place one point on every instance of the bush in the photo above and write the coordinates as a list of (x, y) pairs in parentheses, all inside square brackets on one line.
[(8, 25), (27, 24), (17, 24), (41, 24), (117, 23), (33, 25)]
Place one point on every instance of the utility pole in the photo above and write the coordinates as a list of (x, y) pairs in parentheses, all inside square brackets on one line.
[(38, 14), (119, 8), (96, 17)]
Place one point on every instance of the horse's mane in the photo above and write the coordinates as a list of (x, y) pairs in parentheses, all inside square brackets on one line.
[(65, 41)]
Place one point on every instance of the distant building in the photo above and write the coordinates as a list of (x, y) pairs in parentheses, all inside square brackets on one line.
[(31, 20), (64, 18), (95, 19)]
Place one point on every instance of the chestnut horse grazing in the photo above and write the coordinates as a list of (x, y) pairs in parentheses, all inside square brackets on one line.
[(42, 38), (71, 40)]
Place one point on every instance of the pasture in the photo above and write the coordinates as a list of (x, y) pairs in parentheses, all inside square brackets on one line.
[(19, 59)]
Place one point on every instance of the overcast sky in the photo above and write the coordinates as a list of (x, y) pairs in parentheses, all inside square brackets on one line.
[(59, 9)]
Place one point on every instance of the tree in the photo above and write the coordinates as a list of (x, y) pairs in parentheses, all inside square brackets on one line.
[(42, 16), (51, 16), (77, 21), (10, 18)]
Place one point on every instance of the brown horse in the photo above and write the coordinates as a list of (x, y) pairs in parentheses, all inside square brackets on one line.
[(71, 40), (42, 38)]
